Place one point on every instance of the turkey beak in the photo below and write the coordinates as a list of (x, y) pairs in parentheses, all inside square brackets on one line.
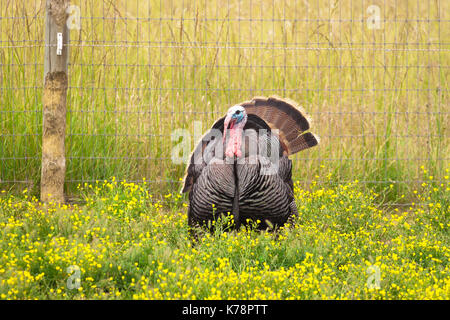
[(232, 123), (229, 121)]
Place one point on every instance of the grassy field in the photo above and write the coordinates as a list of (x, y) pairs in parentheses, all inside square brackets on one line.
[(373, 198), (125, 246), (140, 69)]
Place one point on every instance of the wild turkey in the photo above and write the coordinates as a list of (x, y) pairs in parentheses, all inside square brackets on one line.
[(252, 179)]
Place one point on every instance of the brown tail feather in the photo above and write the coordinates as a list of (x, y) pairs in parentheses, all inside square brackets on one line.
[(302, 142), (286, 116)]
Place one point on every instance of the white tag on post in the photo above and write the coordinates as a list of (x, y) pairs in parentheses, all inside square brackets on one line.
[(59, 44)]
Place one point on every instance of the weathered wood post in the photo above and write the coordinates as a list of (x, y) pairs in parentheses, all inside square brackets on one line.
[(54, 101)]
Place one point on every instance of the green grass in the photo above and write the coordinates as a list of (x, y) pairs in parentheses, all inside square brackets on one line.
[(378, 98), (126, 245), (379, 101)]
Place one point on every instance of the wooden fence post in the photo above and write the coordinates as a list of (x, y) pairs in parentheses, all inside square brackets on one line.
[(54, 101)]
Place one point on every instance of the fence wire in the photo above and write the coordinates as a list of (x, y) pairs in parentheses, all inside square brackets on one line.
[(373, 75)]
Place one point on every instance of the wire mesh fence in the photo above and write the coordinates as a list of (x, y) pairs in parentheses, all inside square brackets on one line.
[(373, 75)]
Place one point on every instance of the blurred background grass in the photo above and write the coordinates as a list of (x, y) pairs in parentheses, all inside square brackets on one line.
[(140, 69)]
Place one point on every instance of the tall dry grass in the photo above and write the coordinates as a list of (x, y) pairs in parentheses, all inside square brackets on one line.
[(140, 69)]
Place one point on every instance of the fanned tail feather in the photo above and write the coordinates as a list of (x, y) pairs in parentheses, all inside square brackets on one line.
[(286, 116)]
